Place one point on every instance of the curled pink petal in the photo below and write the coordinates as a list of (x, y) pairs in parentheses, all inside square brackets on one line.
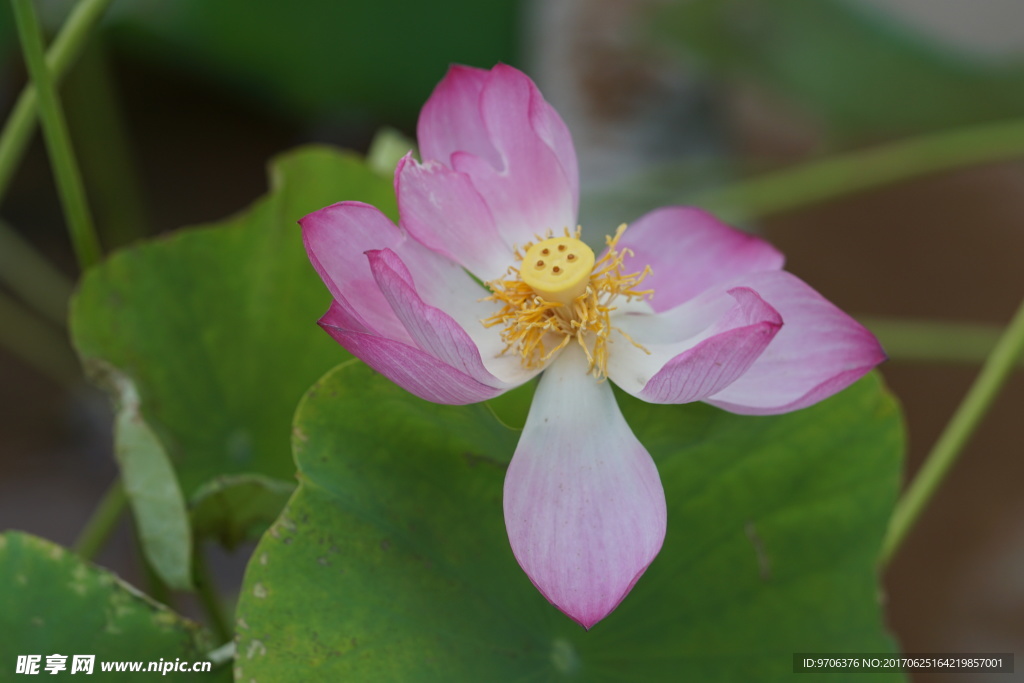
[(736, 342), (335, 238), (696, 349), (409, 367), (690, 251), (584, 506), (436, 331), (496, 127), (413, 296), (819, 351)]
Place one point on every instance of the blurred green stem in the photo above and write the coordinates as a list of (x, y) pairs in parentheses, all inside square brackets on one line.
[(208, 596), (32, 277), (100, 136), (65, 49), (959, 429), (934, 341), (103, 520), (845, 174), (58, 142), (35, 342)]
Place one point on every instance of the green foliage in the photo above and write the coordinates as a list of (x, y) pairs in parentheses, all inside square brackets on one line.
[(391, 561), (319, 56), (151, 488), (236, 508), (859, 70), (54, 603), (216, 327)]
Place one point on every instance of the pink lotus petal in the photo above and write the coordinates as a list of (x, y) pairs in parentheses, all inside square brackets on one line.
[(819, 351), (441, 209), (335, 238), (690, 251), (451, 120), (411, 368), (496, 127), (696, 349), (735, 343), (434, 330), (584, 506)]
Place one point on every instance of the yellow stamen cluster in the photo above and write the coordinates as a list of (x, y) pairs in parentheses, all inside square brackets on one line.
[(552, 299)]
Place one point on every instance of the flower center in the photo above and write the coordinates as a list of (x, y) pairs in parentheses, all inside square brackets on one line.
[(558, 269), (559, 294)]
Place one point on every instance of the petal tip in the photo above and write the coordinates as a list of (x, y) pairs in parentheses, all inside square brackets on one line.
[(588, 616)]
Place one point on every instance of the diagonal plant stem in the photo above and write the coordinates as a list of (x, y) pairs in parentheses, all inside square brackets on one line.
[(23, 268), (58, 142), (220, 622), (101, 140), (103, 520), (66, 47), (38, 344), (32, 277), (935, 341), (998, 366), (845, 174)]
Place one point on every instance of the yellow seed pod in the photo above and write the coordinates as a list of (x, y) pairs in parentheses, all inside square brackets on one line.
[(558, 268)]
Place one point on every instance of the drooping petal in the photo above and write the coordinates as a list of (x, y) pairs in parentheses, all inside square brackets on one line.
[(695, 350), (584, 506), (819, 351), (409, 367), (441, 209), (496, 127), (690, 251)]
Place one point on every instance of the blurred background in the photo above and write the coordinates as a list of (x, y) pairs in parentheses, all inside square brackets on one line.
[(176, 107)]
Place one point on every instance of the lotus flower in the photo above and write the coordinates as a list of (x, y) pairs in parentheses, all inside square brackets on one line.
[(678, 308)]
